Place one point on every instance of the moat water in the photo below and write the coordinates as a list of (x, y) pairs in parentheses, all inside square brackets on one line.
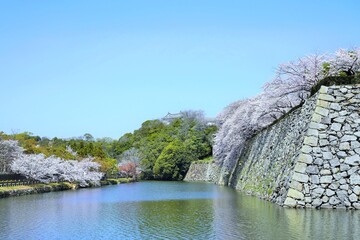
[(166, 210)]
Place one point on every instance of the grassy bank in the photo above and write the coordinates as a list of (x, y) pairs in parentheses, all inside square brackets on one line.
[(52, 187)]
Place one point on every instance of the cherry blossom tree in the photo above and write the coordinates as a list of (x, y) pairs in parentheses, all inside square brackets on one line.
[(240, 121), (293, 81), (129, 163), (345, 62), (9, 150), (128, 169), (54, 169)]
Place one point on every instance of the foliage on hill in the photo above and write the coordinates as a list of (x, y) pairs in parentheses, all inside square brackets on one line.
[(165, 151)]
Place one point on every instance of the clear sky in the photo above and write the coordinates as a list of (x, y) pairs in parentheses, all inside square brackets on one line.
[(104, 67)]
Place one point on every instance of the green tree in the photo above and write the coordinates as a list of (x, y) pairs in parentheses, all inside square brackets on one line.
[(173, 162)]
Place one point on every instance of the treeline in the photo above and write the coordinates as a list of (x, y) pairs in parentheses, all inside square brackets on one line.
[(157, 150)]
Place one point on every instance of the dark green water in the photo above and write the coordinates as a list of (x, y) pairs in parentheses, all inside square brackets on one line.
[(166, 210)]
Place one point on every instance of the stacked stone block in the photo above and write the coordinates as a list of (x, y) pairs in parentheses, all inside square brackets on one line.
[(327, 173), (309, 159)]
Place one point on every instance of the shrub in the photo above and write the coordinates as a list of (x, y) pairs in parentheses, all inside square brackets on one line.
[(336, 80)]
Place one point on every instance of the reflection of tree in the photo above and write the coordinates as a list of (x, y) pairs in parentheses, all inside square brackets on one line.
[(175, 219)]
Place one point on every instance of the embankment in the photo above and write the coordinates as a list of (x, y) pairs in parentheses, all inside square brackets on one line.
[(52, 187), (310, 158)]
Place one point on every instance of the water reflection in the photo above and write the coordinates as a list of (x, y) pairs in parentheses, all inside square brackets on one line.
[(166, 210), (245, 217)]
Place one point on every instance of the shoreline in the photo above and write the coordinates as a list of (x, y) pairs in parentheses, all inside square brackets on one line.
[(15, 191)]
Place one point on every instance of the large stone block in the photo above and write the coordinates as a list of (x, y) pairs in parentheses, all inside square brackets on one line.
[(321, 111), (355, 144), (326, 179), (327, 155), (323, 143), (325, 172), (317, 202), (323, 90), (334, 185), (296, 185), (334, 162), (335, 170), (316, 118), (311, 141), (335, 126), (318, 126), (295, 194), (329, 192), (337, 176), (300, 167), (347, 138), (334, 200), (303, 178), (353, 160), (290, 202), (326, 97), (313, 132), (342, 195), (312, 169), (352, 170), (314, 179), (339, 119), (356, 190), (305, 158), (317, 192), (322, 103), (353, 198), (344, 167), (306, 149), (355, 179), (344, 146), (356, 205), (335, 106)]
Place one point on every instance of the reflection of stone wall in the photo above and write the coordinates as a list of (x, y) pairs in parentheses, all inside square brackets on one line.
[(310, 158)]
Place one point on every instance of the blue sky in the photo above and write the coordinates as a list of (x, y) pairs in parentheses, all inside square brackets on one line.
[(104, 67)]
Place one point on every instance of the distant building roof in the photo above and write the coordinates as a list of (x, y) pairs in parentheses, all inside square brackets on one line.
[(169, 117), (173, 115)]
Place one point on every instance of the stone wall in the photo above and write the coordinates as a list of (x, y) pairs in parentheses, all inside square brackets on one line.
[(310, 158), (327, 172), (202, 172), (268, 159)]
